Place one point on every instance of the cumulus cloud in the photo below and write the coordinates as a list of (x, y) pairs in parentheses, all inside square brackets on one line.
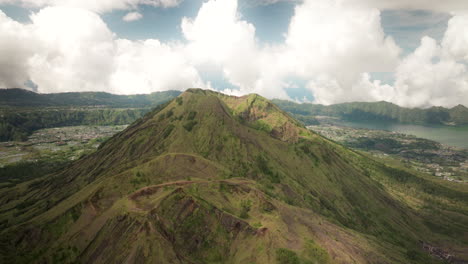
[(94, 5), (132, 16), (423, 82), (337, 43), (15, 50), (218, 37), (455, 41), (327, 90), (436, 74), (74, 50), (450, 6), (325, 38), (147, 66), (332, 46)]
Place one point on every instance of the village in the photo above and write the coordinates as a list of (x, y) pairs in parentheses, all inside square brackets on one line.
[(446, 162), (67, 143), (70, 143)]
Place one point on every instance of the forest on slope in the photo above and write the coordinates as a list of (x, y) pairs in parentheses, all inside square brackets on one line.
[(23, 112), (377, 111)]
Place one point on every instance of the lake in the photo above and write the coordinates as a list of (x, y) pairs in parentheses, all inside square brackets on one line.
[(452, 136)]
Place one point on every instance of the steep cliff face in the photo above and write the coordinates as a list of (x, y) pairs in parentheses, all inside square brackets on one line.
[(209, 178)]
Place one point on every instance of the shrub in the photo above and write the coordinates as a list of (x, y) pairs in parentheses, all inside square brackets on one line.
[(262, 126), (189, 125), (315, 253), (168, 131), (191, 115), (245, 208), (169, 113), (286, 256)]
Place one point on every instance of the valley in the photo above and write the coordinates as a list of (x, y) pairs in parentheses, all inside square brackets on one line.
[(68, 143), (454, 136), (23, 112), (442, 161)]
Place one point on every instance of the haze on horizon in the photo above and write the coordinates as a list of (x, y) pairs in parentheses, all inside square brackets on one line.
[(414, 54)]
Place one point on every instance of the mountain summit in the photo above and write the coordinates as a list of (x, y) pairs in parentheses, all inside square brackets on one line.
[(211, 178)]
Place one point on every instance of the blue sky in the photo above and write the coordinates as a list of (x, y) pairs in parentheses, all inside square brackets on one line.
[(271, 22), (378, 68)]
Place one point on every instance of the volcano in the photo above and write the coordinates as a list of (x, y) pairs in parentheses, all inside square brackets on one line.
[(211, 178)]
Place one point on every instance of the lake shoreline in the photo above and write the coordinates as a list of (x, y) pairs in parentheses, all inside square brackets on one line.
[(455, 136)]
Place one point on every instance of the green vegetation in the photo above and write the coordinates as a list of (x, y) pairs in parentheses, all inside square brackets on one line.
[(189, 125), (246, 205), (378, 111), (13, 174), (286, 256), (19, 98), (168, 131), (18, 125), (316, 254), (420, 154), (191, 115), (23, 112), (230, 193)]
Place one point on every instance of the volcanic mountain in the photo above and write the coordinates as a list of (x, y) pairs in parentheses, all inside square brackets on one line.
[(211, 178)]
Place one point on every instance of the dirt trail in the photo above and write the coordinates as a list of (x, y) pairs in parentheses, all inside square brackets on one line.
[(148, 190)]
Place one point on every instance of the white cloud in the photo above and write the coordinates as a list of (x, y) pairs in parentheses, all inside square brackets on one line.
[(15, 49), (74, 50), (132, 16), (217, 37), (455, 42), (334, 44), (433, 74), (450, 6), (147, 66), (325, 38), (328, 90), (100, 6), (330, 45)]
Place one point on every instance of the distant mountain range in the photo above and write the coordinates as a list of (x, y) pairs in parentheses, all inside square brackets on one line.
[(22, 111), (211, 178), (378, 111), (23, 98)]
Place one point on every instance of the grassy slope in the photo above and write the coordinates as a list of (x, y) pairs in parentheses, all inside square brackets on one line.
[(218, 179)]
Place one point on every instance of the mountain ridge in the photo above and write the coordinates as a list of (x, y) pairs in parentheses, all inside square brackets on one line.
[(378, 111), (210, 178), (16, 97), (9, 94), (352, 111)]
